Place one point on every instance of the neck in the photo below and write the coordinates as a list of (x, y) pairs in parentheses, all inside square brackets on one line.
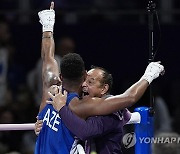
[(73, 89)]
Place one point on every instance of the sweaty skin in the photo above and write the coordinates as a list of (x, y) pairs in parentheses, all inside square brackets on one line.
[(88, 106), (50, 69)]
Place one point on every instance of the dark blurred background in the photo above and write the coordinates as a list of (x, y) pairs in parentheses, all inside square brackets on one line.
[(109, 33)]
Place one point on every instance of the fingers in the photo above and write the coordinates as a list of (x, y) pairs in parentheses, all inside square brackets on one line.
[(54, 89), (38, 127), (39, 122), (60, 89), (49, 102), (51, 96), (52, 5), (65, 93), (158, 64)]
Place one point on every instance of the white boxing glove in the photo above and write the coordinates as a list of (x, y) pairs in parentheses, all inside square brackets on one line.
[(47, 19), (153, 70)]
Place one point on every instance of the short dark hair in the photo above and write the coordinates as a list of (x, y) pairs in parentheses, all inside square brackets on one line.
[(107, 77), (72, 67)]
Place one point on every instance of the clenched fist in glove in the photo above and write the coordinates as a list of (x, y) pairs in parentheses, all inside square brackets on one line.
[(47, 19), (153, 70)]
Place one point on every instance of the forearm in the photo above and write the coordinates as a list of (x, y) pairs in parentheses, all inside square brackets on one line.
[(136, 91), (127, 99), (50, 70), (92, 107), (79, 127), (47, 50)]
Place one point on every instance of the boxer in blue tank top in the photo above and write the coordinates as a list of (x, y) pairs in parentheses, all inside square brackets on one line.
[(54, 138)]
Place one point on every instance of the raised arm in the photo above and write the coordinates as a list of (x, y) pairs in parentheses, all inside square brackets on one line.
[(50, 69), (98, 106)]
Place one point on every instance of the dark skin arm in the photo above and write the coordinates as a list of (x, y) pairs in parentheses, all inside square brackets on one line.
[(99, 106), (50, 69)]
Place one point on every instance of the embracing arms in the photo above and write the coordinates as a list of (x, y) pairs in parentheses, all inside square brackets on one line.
[(100, 106)]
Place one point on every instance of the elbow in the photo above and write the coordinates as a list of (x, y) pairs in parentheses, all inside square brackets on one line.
[(50, 79)]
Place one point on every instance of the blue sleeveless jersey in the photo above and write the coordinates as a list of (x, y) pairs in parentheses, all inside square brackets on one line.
[(54, 138)]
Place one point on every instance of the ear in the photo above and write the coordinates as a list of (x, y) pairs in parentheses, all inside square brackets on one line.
[(105, 89)]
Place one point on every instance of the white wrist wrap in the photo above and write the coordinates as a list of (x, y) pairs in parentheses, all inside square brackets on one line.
[(47, 19), (153, 70)]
